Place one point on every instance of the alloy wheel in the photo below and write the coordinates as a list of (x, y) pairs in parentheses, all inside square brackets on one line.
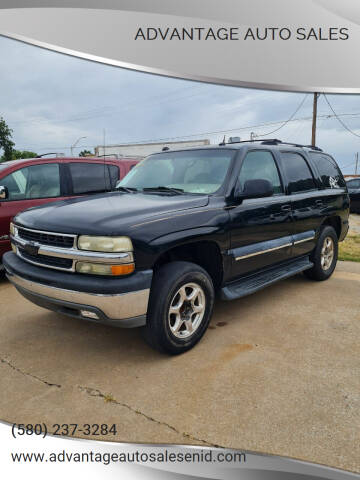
[(327, 253), (187, 309)]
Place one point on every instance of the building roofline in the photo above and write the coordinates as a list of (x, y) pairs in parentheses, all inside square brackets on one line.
[(206, 140)]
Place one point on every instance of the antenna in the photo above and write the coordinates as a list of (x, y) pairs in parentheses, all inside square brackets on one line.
[(104, 135), (223, 142)]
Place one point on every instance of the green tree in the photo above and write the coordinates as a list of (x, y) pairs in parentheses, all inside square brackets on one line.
[(6, 144), (86, 153), (17, 154)]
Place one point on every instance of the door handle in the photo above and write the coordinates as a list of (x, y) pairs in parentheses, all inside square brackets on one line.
[(286, 208), (319, 203)]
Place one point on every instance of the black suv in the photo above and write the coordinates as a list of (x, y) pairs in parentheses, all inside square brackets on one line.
[(183, 225), (353, 186)]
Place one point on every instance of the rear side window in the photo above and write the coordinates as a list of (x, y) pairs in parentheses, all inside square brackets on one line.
[(260, 165), (89, 177), (297, 172), (353, 184), (114, 175), (330, 174)]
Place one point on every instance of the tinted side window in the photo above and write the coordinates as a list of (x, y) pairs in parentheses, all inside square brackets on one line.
[(329, 172), (114, 175), (353, 184), (297, 172), (89, 177), (37, 181), (260, 164), (16, 184)]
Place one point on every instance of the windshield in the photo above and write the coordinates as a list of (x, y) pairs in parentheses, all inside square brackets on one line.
[(191, 171)]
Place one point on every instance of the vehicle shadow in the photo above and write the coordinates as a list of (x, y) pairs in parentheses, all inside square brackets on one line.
[(73, 338)]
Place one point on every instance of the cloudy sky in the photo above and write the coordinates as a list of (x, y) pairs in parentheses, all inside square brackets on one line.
[(50, 100)]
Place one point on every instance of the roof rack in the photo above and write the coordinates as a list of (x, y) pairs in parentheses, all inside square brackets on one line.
[(274, 141), (44, 154)]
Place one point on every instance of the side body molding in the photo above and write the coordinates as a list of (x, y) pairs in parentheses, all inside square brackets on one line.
[(271, 245)]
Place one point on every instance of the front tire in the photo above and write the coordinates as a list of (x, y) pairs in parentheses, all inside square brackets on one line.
[(325, 255), (180, 307)]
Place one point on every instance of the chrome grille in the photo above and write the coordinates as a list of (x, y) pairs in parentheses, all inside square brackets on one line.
[(45, 260), (59, 251), (44, 238)]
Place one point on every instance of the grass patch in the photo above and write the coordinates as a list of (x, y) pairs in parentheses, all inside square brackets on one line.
[(108, 398), (349, 249)]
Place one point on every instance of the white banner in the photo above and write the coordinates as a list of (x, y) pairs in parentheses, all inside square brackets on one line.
[(307, 45)]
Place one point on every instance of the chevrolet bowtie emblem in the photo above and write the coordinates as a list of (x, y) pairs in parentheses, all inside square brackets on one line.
[(31, 249)]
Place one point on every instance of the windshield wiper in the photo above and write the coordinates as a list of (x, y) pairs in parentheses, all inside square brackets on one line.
[(163, 189), (126, 189)]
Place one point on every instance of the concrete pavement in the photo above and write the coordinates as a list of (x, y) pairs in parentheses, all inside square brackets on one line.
[(277, 372)]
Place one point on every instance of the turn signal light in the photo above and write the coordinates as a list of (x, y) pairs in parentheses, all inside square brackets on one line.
[(122, 269), (104, 269)]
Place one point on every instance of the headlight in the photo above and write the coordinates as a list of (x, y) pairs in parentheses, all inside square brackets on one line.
[(102, 269), (105, 244), (12, 228)]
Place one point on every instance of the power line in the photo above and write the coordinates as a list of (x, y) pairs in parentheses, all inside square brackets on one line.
[(288, 120), (339, 119), (110, 110), (166, 139), (349, 165)]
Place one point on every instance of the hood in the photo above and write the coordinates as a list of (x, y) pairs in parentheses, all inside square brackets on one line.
[(106, 214)]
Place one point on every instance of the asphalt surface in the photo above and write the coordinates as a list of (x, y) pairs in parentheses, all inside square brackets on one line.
[(277, 372)]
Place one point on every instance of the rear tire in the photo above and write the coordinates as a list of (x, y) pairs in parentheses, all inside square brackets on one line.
[(180, 307), (324, 256)]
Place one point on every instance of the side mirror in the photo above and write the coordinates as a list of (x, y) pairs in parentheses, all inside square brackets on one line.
[(256, 188), (4, 194)]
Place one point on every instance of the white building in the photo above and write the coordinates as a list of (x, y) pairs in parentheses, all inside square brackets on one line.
[(144, 149)]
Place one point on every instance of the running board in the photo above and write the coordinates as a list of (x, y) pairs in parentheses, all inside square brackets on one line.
[(257, 281)]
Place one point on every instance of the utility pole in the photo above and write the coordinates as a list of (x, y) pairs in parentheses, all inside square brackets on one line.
[(313, 132), (356, 163), (104, 135)]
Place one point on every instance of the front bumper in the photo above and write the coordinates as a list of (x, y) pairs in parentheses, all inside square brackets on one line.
[(120, 302), (5, 246)]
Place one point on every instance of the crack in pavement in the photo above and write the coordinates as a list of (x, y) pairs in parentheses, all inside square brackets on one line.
[(94, 392), (9, 364)]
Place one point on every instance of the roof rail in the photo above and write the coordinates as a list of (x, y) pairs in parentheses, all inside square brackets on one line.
[(277, 142), (274, 141), (44, 154), (314, 147)]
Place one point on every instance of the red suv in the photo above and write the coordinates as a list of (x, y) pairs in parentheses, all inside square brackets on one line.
[(32, 182)]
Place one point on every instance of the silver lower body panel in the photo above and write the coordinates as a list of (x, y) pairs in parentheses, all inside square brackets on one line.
[(113, 309)]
